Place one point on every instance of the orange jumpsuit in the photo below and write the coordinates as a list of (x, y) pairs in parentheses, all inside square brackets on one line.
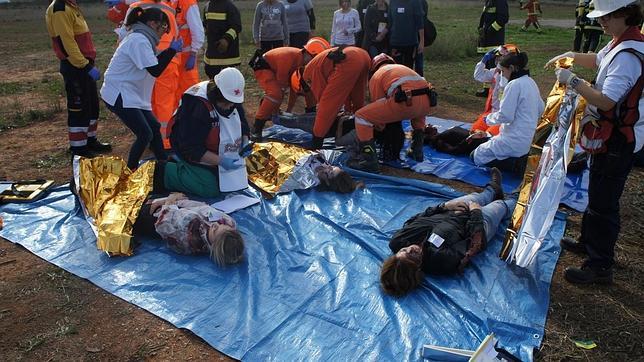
[(275, 81), (384, 109), (187, 78), (164, 101), (336, 84), (479, 124)]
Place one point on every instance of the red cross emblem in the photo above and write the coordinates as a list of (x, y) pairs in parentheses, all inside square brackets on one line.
[(237, 92)]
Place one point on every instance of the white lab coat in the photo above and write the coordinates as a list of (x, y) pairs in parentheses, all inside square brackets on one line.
[(518, 116)]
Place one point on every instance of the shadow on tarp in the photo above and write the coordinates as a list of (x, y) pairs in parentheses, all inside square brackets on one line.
[(309, 287), (451, 167)]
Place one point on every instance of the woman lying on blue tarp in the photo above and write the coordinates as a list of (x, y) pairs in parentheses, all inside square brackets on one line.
[(442, 239), (191, 227)]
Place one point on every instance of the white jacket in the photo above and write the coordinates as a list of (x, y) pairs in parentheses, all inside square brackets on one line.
[(484, 75), (518, 116)]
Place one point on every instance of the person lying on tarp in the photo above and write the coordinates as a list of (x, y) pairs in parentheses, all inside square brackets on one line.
[(207, 136), (443, 239), (191, 228), (518, 115)]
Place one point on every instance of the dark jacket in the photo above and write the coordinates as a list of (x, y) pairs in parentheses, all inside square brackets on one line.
[(492, 25), (405, 20), (222, 20), (372, 19), (463, 236)]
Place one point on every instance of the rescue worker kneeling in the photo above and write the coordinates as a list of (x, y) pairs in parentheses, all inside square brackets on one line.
[(273, 72), (337, 77), (207, 136), (398, 93)]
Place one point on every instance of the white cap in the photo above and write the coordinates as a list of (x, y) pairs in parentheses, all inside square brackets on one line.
[(231, 83), (604, 7)]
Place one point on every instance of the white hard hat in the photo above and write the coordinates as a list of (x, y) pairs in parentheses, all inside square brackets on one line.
[(604, 7), (231, 83)]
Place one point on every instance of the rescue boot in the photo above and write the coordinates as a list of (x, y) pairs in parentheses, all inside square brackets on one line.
[(258, 128), (416, 149), (97, 146), (316, 143), (495, 183), (589, 274), (367, 159)]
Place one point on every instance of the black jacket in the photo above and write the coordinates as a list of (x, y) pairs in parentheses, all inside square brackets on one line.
[(492, 24), (372, 19), (222, 20), (463, 236)]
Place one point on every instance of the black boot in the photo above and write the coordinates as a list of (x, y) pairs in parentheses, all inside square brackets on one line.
[(258, 128), (367, 160), (589, 275), (483, 92), (317, 143), (83, 151), (416, 149), (570, 244), (97, 146), (495, 182)]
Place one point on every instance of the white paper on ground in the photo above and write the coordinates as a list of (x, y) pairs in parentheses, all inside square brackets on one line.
[(235, 203)]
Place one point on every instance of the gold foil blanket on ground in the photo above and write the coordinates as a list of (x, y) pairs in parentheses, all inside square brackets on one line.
[(272, 163), (112, 197)]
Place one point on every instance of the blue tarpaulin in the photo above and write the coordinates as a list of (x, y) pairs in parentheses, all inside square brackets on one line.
[(309, 286), (451, 167)]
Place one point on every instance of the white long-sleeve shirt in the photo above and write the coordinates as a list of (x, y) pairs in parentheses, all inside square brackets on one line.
[(349, 22), (518, 116), (484, 75), (197, 34)]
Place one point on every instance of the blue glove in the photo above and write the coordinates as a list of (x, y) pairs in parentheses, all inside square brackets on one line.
[(190, 63), (112, 3), (177, 44), (229, 163), (94, 73), (488, 56)]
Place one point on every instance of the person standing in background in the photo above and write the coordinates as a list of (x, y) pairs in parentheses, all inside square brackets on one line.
[(270, 28), (192, 33), (223, 25), (376, 38), (580, 23), (73, 45), (534, 11), (406, 30), (592, 32), (363, 5), (419, 57), (346, 23), (301, 21), (492, 31)]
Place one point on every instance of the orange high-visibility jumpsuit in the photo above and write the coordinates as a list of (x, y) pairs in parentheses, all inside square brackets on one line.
[(334, 85), (164, 101), (384, 108), (275, 81), (479, 124), (188, 77)]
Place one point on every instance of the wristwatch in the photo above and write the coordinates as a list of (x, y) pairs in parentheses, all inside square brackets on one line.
[(574, 82)]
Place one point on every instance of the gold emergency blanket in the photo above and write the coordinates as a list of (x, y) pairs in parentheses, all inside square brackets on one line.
[(272, 163), (113, 196), (548, 121)]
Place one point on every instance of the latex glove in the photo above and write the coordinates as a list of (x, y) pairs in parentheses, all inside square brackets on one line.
[(177, 44), (222, 45), (554, 60), (488, 56), (190, 63), (112, 3), (564, 75), (94, 73), (229, 163)]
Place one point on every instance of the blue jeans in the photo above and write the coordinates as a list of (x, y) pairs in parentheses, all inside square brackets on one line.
[(145, 127), (494, 211)]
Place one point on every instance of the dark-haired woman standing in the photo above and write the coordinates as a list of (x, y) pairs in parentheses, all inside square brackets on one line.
[(129, 79), (518, 115)]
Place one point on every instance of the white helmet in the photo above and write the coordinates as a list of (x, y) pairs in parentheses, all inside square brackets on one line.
[(604, 7), (231, 83)]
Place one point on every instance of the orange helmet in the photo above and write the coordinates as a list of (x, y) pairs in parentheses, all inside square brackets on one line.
[(380, 60), (507, 49), (316, 45)]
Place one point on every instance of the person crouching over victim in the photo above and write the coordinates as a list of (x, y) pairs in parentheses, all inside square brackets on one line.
[(273, 72), (397, 93), (337, 77), (443, 239), (191, 228)]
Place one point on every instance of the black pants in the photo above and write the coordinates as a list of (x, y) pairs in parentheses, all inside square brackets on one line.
[(270, 44), (213, 70), (297, 40), (82, 104), (601, 222), (579, 36), (404, 55), (515, 165), (592, 40)]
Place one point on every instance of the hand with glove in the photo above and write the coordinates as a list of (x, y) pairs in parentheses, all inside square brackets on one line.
[(488, 56), (565, 76), (176, 44), (192, 59), (94, 73), (553, 62), (230, 163), (111, 3)]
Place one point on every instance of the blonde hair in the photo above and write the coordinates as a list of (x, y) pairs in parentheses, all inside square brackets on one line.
[(399, 276), (228, 248)]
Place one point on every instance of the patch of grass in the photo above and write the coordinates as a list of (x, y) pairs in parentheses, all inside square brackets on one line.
[(65, 328), (10, 88), (33, 342), (56, 160)]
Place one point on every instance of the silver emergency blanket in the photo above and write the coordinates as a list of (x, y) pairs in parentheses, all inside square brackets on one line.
[(547, 184)]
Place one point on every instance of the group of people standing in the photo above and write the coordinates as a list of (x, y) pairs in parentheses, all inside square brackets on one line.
[(208, 131)]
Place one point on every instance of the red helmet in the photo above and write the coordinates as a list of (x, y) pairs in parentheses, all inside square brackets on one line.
[(380, 60), (316, 45), (506, 49)]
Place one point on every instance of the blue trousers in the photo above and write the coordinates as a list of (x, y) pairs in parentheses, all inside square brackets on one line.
[(494, 211)]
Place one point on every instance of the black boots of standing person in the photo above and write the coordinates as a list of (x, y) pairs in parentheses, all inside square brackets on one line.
[(416, 149)]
